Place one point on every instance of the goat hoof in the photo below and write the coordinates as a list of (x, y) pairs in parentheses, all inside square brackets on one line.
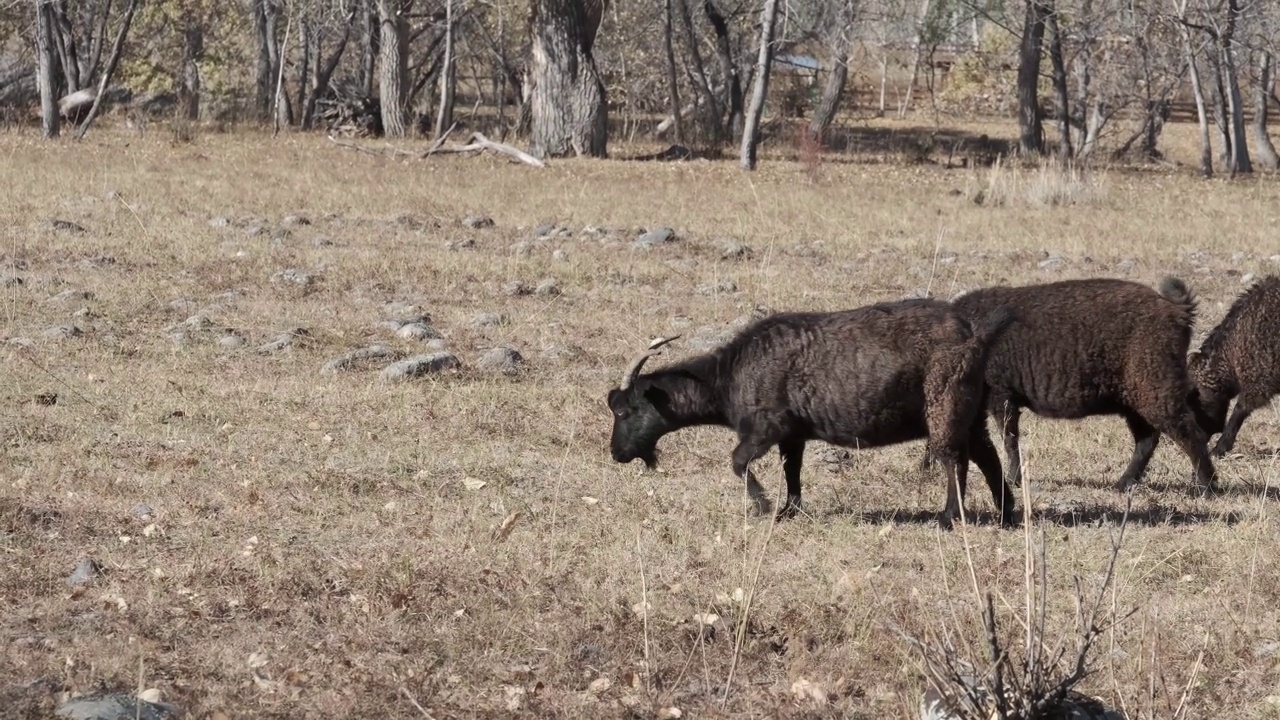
[(1219, 451), (788, 511), (1010, 519), (1124, 484), (945, 523)]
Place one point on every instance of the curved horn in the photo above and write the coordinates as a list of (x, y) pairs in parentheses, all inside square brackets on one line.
[(634, 368)]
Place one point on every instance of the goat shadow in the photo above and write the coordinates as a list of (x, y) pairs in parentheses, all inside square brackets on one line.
[(1093, 514)]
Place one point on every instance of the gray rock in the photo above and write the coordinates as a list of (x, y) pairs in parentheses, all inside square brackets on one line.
[(182, 305), (548, 287), (218, 221), (560, 255), (395, 308), (198, 322), (437, 345), (361, 358), (722, 287), (461, 244), (501, 360), (321, 241), (284, 340), (521, 248), (488, 320), (477, 222), (281, 234), (1052, 263), (21, 342), (142, 511), (417, 331), (655, 237), (1247, 278), (293, 276), (544, 230), (179, 338), (98, 261), (1237, 256), (85, 570), (84, 313), (420, 365), (734, 250), (68, 226), (516, 288), (71, 296), (116, 706), (255, 230), (292, 221), (232, 341), (63, 332)]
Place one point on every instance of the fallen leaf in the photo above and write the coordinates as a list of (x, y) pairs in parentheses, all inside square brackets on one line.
[(473, 484), (257, 660), (599, 685), (706, 618), (589, 500), (669, 712), (151, 695)]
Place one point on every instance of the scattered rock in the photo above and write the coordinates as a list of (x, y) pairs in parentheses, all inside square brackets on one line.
[(1246, 278), (283, 341), (544, 230), (722, 287), (462, 244), (179, 338), (281, 234), (521, 248), (232, 341), (321, 241), (1237, 256), (548, 287), (71, 296), (488, 320), (142, 511), (68, 226), (294, 276), (63, 332), (117, 706), (292, 221), (560, 255), (182, 305), (653, 238), (516, 288), (255, 230), (361, 358), (709, 337), (420, 365), (501, 360), (1052, 263), (218, 221), (86, 570), (418, 331), (394, 308), (197, 322), (408, 221), (561, 352), (21, 342), (733, 250), (477, 222)]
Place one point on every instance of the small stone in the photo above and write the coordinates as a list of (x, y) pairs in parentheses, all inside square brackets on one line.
[(255, 230), (722, 287), (198, 322), (521, 248), (294, 276), (86, 570), (292, 221), (142, 511), (1274, 259), (655, 237), (1246, 278), (321, 241), (488, 320), (516, 288), (1237, 256), (1127, 265), (361, 358), (734, 250), (501, 360), (543, 230), (417, 331), (420, 365), (179, 338), (281, 234), (71, 296), (284, 340), (477, 222), (182, 305), (218, 221), (548, 287), (68, 226), (462, 244), (63, 332), (1052, 264), (84, 313), (232, 341), (394, 308), (21, 341), (560, 255)]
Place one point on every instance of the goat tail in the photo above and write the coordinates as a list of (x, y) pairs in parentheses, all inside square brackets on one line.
[(1177, 292)]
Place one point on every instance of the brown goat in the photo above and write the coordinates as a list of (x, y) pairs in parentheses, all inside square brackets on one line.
[(1096, 347), (1239, 359), (877, 375)]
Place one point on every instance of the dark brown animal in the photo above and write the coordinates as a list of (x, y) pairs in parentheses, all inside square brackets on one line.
[(1239, 359), (873, 376), (1095, 347)]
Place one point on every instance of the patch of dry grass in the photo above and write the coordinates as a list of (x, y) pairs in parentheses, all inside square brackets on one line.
[(316, 549)]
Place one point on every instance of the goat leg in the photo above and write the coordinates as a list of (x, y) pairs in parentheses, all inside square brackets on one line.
[(792, 452)]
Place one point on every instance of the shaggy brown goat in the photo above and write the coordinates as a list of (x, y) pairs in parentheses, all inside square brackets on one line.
[(877, 375), (1096, 347), (1239, 359)]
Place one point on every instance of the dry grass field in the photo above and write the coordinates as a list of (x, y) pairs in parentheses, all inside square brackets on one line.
[(328, 544)]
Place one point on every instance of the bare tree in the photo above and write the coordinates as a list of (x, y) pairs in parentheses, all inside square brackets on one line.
[(117, 49), (1266, 151), (673, 83), (448, 75), (568, 109), (1059, 84), (393, 81), (729, 70), (1030, 131), (760, 87), (189, 78), (49, 120), (1197, 89), (837, 35), (1239, 158)]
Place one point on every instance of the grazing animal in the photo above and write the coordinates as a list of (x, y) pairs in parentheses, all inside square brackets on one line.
[(1096, 347), (1239, 359), (873, 376)]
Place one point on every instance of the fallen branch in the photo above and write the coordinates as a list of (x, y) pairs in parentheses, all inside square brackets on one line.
[(440, 140), (478, 142)]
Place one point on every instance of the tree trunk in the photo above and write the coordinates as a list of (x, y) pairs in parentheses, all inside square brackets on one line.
[(283, 109), (1261, 97), (729, 69), (673, 83), (1059, 85), (64, 36), (50, 122), (393, 78), (917, 44), (448, 76), (1030, 132), (324, 68), (309, 35), (832, 92), (89, 65), (264, 30), (117, 49), (1235, 104), (760, 86), (1197, 90), (711, 128), (568, 109), (369, 56), (189, 78)]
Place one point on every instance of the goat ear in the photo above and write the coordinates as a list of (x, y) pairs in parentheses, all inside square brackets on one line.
[(615, 395), (658, 397)]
